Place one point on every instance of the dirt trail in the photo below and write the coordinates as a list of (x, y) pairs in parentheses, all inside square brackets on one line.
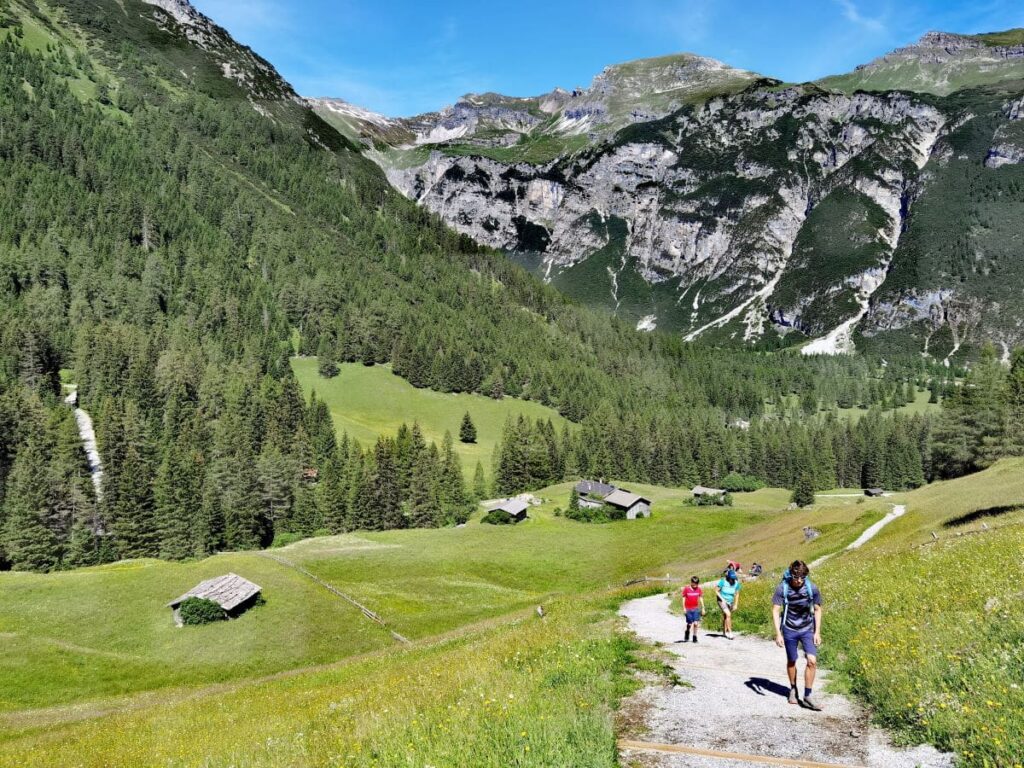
[(898, 510), (738, 705)]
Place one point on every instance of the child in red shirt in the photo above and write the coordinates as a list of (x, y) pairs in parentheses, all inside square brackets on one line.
[(693, 604)]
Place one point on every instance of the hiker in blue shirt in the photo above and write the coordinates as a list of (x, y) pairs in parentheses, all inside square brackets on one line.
[(796, 611), (727, 591)]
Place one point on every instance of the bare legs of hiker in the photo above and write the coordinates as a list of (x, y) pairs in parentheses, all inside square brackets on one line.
[(726, 618), (809, 672)]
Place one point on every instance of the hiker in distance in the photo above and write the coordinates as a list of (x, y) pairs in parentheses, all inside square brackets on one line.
[(796, 612), (693, 604), (727, 590)]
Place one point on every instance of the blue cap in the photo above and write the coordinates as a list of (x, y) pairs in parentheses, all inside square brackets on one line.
[(731, 574)]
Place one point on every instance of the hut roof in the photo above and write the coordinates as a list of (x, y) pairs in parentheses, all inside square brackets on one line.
[(700, 490), (513, 506), (228, 591), (594, 488), (624, 499)]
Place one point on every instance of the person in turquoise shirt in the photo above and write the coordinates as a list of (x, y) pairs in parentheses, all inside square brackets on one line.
[(727, 590)]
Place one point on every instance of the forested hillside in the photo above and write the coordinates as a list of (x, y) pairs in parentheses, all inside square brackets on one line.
[(174, 225)]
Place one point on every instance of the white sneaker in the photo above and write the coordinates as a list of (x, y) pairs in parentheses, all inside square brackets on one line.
[(729, 635)]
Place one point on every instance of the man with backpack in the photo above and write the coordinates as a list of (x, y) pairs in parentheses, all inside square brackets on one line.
[(693, 604), (727, 591), (796, 612)]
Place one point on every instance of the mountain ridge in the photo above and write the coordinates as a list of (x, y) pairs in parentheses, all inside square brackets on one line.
[(662, 216)]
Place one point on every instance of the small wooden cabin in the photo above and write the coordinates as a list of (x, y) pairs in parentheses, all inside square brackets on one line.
[(515, 508), (231, 592), (633, 504)]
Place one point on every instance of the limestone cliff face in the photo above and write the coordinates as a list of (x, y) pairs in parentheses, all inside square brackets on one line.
[(713, 201)]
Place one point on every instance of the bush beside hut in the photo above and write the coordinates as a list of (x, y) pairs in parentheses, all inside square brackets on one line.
[(195, 611)]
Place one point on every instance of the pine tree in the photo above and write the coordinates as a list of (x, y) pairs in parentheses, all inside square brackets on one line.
[(278, 477), (128, 483), (246, 525), (573, 509), (803, 491), (1015, 404), (451, 484), (479, 483), (28, 542), (467, 432), (424, 502), (332, 495)]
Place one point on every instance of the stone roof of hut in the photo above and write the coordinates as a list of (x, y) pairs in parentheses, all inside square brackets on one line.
[(514, 506), (228, 591)]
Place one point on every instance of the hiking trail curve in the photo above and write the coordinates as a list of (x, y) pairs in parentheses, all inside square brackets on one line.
[(737, 708)]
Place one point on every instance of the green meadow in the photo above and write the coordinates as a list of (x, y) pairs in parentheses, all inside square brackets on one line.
[(369, 401)]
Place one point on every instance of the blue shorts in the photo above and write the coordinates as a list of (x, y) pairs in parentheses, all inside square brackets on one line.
[(804, 637), (692, 617)]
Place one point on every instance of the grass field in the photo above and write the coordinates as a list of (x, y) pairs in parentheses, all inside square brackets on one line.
[(920, 405), (370, 401)]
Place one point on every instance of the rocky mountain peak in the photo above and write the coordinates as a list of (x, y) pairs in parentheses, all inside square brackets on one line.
[(237, 62)]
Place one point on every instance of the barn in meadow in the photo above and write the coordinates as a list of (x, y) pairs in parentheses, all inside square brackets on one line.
[(633, 504), (231, 592)]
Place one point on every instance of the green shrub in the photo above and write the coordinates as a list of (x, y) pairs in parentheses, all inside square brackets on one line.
[(198, 610), (328, 369), (603, 514), (710, 500), (497, 517), (285, 538)]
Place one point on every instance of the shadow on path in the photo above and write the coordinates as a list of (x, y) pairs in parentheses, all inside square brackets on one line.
[(761, 684)]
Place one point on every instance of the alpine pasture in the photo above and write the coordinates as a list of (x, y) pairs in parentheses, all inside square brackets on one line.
[(368, 401)]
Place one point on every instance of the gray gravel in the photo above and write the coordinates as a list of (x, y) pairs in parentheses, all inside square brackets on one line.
[(738, 704)]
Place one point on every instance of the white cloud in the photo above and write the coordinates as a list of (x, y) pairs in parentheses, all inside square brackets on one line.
[(853, 14)]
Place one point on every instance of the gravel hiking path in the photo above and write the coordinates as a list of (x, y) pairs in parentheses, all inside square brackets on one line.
[(737, 705)]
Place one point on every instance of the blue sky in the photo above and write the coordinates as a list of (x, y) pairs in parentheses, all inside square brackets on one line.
[(402, 57)]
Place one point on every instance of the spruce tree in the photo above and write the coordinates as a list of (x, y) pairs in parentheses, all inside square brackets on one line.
[(467, 431), (573, 509), (332, 495), (803, 491), (28, 542), (479, 483), (451, 484)]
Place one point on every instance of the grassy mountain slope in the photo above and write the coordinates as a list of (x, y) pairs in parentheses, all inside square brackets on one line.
[(423, 582), (940, 63)]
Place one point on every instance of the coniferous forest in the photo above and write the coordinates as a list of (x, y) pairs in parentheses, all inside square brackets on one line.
[(169, 238)]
